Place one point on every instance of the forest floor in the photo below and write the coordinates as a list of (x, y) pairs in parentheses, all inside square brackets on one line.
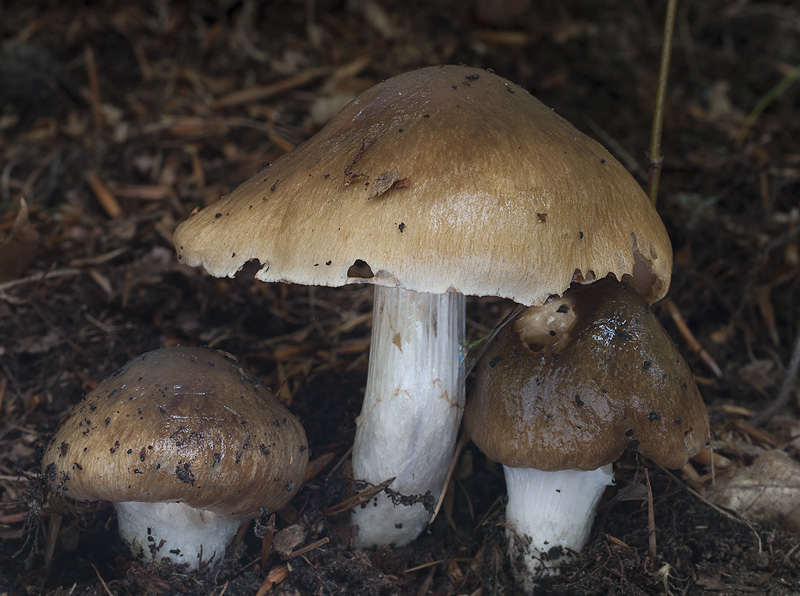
[(118, 119)]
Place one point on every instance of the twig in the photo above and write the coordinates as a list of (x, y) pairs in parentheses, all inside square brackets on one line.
[(788, 555), (439, 562), (52, 536), (690, 338), (107, 200), (618, 150), (471, 352), (309, 547), (102, 581), (427, 583), (456, 454), (99, 259), (38, 278), (94, 88), (18, 517), (339, 463), (359, 498), (260, 93), (656, 159), (651, 521), (786, 388), (713, 462)]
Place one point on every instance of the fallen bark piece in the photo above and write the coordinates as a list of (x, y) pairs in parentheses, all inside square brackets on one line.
[(383, 183), (766, 490)]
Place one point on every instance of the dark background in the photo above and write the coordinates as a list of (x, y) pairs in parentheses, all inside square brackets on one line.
[(136, 100)]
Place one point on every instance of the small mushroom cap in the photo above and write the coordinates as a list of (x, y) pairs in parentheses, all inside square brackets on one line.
[(180, 424), (569, 384), (443, 178)]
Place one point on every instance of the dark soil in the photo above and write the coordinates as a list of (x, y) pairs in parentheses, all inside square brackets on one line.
[(103, 284)]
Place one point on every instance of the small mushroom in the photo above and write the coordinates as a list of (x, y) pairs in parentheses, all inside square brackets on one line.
[(187, 445), (493, 195), (558, 396)]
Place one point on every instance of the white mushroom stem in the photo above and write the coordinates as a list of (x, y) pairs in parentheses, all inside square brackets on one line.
[(546, 510), (412, 409), (175, 531)]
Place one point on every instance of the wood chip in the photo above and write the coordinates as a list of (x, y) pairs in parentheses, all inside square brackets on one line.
[(285, 541), (18, 246), (382, 183), (262, 92), (103, 195)]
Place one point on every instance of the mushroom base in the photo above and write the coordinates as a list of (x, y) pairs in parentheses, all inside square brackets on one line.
[(549, 514), (175, 531), (412, 410)]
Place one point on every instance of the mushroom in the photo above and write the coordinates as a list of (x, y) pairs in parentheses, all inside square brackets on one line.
[(558, 396), (187, 445), (437, 183)]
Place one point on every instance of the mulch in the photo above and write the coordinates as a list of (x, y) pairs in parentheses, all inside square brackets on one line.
[(118, 119)]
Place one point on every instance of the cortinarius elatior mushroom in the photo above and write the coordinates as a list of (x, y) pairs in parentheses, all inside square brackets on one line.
[(187, 445), (433, 184), (557, 397)]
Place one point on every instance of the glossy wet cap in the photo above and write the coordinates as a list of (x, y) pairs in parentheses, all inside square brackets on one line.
[(180, 424), (443, 178), (572, 383)]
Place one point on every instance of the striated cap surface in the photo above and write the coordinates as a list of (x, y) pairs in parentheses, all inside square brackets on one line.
[(443, 178)]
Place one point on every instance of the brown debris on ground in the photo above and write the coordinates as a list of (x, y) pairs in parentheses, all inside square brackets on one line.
[(117, 120)]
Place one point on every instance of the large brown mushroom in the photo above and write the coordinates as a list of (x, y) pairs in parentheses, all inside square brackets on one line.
[(187, 445), (558, 396), (433, 184)]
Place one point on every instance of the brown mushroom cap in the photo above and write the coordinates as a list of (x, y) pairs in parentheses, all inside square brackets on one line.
[(441, 178), (180, 424), (608, 375)]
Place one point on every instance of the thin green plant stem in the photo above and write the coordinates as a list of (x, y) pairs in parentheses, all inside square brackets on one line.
[(656, 159), (764, 102)]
